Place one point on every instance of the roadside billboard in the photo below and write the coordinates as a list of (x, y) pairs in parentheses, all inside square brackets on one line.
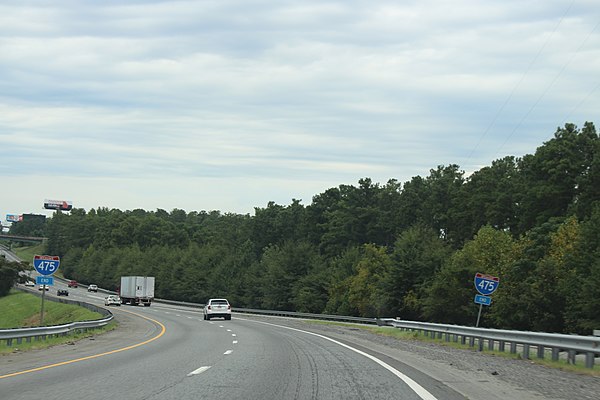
[(58, 205), (13, 218)]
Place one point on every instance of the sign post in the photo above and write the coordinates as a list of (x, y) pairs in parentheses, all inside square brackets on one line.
[(486, 285), (45, 265)]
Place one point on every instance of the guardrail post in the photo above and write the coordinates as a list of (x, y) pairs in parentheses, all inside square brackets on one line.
[(490, 345), (479, 344), (589, 360), (555, 353), (526, 351), (9, 342), (540, 352), (471, 341), (571, 357), (501, 345), (513, 348)]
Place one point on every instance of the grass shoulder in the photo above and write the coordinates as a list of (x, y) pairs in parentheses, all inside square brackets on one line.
[(22, 310), (26, 253)]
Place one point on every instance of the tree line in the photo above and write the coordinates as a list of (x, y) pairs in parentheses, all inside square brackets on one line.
[(396, 249)]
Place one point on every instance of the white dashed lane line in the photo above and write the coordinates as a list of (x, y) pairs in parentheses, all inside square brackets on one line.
[(198, 371), (228, 352)]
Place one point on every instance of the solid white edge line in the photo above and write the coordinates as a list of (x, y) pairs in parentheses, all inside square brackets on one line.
[(198, 371), (418, 389)]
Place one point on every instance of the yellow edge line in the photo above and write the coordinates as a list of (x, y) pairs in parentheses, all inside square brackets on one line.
[(162, 332)]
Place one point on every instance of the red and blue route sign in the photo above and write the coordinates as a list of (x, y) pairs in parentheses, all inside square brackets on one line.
[(486, 284), (46, 265)]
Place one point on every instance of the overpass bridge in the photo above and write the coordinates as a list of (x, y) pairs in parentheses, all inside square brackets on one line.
[(26, 239)]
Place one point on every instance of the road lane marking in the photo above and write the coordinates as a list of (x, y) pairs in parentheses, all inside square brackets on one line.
[(233, 334), (228, 330), (228, 352), (418, 389), (162, 332), (235, 342), (199, 371)]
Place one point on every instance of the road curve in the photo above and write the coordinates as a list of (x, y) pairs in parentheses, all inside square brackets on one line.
[(196, 359)]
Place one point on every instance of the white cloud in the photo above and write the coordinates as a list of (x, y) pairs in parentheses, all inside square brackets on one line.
[(257, 94)]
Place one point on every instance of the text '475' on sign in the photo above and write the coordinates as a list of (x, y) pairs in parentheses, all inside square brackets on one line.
[(486, 284), (46, 265)]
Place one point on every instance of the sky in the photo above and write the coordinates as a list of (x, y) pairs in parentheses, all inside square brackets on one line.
[(230, 104)]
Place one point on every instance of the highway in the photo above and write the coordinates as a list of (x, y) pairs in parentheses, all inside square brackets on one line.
[(168, 352)]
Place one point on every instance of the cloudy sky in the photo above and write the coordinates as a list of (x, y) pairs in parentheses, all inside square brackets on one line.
[(229, 104)]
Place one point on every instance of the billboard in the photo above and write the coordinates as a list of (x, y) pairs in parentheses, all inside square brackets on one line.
[(13, 218), (58, 205)]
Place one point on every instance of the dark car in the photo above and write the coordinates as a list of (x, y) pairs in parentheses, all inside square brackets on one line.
[(62, 292)]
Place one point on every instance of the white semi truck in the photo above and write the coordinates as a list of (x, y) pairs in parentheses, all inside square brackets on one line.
[(136, 290)]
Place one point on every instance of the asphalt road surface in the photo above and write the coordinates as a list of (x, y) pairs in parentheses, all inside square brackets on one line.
[(167, 352)]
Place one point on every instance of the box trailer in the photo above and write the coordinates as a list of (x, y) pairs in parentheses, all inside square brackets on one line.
[(136, 290)]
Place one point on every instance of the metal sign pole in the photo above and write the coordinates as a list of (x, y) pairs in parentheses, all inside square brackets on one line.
[(479, 316), (42, 313)]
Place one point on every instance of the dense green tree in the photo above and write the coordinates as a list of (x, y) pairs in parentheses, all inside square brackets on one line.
[(449, 297), (366, 291), (417, 256), (9, 275), (378, 250)]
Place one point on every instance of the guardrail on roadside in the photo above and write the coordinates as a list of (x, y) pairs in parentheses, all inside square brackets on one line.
[(555, 342), (43, 332)]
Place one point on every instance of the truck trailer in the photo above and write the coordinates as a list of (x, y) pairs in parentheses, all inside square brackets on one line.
[(137, 289)]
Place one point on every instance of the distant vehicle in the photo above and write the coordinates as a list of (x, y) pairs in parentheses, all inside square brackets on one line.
[(137, 289), (30, 284), (72, 284), (43, 287), (58, 205), (92, 288), (62, 292), (217, 308), (112, 300)]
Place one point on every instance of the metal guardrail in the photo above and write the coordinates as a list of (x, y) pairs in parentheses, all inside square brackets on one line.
[(326, 317), (555, 342)]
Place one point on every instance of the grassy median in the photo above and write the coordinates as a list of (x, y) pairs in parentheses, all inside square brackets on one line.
[(22, 310)]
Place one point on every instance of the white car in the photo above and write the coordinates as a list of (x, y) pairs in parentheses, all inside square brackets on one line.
[(217, 308), (112, 300), (93, 288), (43, 287), (30, 284)]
